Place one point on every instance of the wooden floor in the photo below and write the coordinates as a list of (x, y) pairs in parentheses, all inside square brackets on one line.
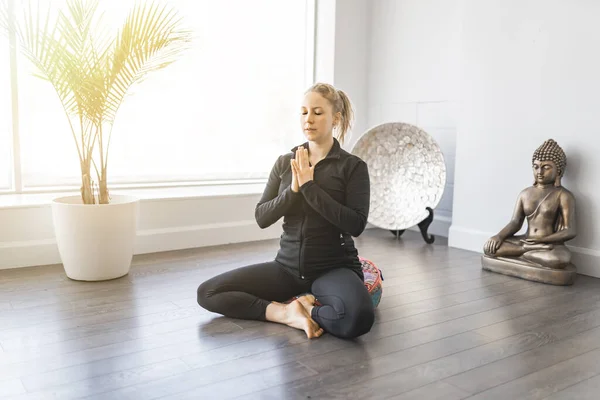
[(445, 329)]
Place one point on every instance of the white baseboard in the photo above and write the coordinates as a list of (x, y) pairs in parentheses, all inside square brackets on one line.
[(586, 260), (45, 252), (440, 226), (467, 239), (186, 237), (28, 253)]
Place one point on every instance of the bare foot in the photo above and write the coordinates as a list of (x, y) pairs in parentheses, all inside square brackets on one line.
[(308, 302), (297, 317)]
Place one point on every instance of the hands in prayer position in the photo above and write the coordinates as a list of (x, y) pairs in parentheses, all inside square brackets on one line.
[(302, 171)]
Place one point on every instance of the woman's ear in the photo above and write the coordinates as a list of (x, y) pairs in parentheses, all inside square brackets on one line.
[(337, 119)]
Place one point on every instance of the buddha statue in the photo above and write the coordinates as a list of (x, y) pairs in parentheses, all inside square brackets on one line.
[(540, 254)]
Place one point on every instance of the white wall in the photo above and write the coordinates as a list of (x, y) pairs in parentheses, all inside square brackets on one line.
[(351, 59), (529, 71), (341, 53), (412, 75)]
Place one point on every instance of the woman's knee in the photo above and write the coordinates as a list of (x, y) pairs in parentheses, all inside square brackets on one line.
[(204, 293), (358, 323), (364, 322)]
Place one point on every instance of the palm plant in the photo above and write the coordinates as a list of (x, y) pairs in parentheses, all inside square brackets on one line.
[(92, 72)]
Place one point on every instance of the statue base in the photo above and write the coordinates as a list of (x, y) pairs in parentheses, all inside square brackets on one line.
[(524, 270)]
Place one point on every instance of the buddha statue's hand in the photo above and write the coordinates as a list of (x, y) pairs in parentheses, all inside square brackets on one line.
[(536, 241), (530, 241), (536, 244), (492, 245)]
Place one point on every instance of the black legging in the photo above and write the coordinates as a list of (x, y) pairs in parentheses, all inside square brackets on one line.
[(245, 293)]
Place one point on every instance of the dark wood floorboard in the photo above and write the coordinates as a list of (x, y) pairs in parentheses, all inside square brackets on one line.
[(584, 390), (445, 329)]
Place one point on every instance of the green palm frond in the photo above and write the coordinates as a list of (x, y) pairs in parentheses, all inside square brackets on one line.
[(150, 40), (92, 72), (44, 40)]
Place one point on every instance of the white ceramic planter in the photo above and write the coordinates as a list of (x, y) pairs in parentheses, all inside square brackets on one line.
[(95, 241)]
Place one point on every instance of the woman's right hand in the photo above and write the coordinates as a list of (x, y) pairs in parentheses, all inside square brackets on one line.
[(295, 186)]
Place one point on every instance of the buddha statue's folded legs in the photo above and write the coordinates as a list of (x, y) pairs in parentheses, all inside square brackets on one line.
[(541, 254)]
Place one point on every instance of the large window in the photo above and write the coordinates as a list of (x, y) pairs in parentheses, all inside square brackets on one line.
[(224, 111), (5, 116)]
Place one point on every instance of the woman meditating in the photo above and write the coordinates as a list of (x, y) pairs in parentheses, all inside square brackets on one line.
[(322, 192)]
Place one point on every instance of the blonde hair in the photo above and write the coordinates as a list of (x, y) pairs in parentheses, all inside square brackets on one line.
[(340, 103)]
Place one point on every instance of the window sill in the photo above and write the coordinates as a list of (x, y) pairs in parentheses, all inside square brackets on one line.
[(21, 200)]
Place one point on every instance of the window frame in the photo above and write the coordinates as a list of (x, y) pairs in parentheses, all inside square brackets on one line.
[(17, 186)]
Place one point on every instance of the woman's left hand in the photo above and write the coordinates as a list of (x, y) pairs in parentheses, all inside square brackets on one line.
[(302, 168)]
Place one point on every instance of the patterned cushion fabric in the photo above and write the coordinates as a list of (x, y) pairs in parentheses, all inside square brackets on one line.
[(373, 281)]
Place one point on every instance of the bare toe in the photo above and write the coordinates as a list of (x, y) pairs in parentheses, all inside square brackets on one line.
[(317, 330), (313, 330)]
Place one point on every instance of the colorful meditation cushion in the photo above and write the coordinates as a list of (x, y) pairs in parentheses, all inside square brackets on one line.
[(373, 279)]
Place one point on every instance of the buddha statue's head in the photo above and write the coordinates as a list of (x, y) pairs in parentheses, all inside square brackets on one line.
[(549, 163)]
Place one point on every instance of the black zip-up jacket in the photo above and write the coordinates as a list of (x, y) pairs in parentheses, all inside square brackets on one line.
[(321, 218)]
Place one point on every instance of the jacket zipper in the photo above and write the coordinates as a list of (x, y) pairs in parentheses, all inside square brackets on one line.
[(300, 264), (300, 258)]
